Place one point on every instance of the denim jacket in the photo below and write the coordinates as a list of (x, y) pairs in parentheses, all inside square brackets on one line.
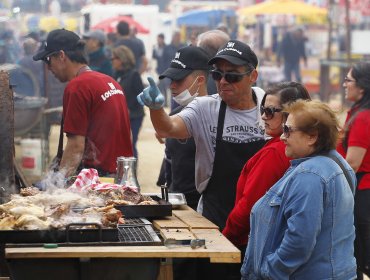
[(302, 228)]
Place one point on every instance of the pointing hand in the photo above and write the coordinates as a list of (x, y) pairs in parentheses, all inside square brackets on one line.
[(151, 96)]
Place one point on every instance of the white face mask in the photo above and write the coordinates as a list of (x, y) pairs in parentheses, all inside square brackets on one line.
[(185, 97)]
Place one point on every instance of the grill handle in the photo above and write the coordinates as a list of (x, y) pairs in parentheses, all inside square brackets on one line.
[(69, 226), (164, 191)]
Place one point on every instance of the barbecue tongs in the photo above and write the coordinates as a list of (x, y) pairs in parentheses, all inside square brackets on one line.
[(164, 191), (193, 243)]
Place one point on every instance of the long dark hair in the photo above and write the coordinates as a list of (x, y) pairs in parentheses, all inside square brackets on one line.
[(361, 75)]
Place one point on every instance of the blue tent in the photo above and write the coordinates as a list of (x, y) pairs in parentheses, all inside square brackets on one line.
[(208, 18)]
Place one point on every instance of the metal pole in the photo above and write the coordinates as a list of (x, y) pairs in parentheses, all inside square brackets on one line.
[(330, 20), (348, 32), (7, 175)]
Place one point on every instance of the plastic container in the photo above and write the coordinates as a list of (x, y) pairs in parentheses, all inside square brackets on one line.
[(31, 156)]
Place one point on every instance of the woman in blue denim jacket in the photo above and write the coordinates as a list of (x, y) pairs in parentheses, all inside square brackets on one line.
[(303, 227)]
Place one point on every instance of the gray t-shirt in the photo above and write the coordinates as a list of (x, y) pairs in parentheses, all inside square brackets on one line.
[(200, 117)]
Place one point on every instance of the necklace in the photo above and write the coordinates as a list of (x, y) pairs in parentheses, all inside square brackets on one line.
[(83, 69)]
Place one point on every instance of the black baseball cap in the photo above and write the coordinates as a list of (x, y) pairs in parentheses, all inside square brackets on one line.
[(186, 60), (57, 40), (237, 53)]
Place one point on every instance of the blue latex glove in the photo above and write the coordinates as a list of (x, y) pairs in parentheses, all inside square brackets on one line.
[(151, 96)]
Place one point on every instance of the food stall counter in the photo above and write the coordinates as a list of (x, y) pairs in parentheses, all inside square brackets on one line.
[(184, 225)]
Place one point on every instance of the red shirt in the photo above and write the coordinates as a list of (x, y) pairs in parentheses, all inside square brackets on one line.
[(94, 106), (259, 174), (359, 136)]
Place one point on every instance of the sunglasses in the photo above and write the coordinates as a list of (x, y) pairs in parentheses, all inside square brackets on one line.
[(230, 77), (287, 130), (348, 80), (269, 111), (47, 59)]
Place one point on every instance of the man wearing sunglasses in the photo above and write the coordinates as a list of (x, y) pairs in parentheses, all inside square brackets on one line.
[(95, 115), (234, 110), (227, 129)]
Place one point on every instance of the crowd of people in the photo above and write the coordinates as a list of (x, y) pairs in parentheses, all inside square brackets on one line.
[(268, 166)]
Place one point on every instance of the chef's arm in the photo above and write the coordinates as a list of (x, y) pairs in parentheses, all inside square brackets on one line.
[(354, 156), (72, 154), (168, 126)]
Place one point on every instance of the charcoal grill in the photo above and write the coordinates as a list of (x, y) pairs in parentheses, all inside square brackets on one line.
[(135, 232), (138, 231)]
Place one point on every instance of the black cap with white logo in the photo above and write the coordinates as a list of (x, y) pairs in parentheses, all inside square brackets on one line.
[(186, 60), (237, 53), (57, 40)]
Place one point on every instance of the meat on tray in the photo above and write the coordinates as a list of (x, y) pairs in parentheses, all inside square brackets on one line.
[(33, 209)]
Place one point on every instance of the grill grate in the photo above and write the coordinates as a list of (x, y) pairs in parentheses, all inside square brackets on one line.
[(136, 221), (137, 231)]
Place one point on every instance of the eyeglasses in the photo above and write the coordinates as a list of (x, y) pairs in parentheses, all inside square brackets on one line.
[(269, 111), (230, 77), (348, 80), (287, 130), (47, 59)]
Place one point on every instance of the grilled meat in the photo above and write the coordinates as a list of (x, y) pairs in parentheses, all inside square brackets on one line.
[(29, 191)]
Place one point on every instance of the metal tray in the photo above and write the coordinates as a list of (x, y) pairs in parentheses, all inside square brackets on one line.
[(176, 199), (162, 209)]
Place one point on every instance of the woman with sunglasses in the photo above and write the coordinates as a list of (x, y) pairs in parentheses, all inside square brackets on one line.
[(267, 166), (302, 228), (355, 148)]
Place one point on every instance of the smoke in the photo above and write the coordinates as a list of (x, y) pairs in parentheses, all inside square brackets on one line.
[(6, 190), (52, 180)]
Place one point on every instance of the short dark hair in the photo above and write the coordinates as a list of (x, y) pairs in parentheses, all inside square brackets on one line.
[(161, 35), (79, 54), (288, 92), (123, 28)]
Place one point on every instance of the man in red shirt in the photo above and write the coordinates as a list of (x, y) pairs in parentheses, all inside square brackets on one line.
[(95, 114)]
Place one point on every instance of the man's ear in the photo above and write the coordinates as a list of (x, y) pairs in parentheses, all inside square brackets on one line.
[(62, 55), (201, 80), (254, 76)]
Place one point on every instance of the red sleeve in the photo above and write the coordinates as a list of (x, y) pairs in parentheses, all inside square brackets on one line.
[(359, 134), (257, 177)]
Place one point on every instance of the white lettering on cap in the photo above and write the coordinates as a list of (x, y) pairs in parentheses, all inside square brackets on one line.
[(177, 61), (230, 44), (229, 49)]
